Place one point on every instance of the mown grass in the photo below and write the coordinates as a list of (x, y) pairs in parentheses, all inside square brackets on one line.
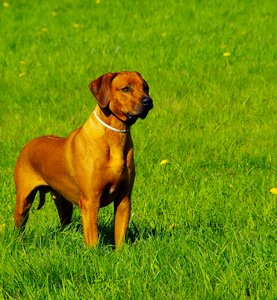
[(204, 224)]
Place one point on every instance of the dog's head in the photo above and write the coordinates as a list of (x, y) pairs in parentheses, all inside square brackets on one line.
[(124, 94)]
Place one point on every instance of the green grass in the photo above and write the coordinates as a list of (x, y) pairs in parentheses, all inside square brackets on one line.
[(203, 225)]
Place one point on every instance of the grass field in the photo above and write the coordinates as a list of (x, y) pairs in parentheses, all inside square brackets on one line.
[(203, 221)]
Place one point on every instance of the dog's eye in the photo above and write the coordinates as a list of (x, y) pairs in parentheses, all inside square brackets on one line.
[(146, 88), (126, 89)]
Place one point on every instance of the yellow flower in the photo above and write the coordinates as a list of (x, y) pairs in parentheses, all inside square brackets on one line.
[(22, 74), (2, 226), (76, 25), (172, 226), (6, 4), (226, 54), (97, 1), (273, 191), (54, 13), (164, 162)]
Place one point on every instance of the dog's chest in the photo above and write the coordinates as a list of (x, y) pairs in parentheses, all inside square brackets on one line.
[(117, 181), (118, 174), (118, 166), (117, 162)]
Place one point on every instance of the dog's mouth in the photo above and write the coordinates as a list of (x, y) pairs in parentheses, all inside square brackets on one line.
[(131, 119), (147, 105)]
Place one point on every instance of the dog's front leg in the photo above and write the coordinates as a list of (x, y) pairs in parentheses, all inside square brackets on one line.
[(89, 210), (122, 210)]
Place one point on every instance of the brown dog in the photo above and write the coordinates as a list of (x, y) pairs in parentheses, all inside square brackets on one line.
[(94, 165)]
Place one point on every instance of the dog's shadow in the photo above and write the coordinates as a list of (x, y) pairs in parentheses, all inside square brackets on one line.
[(75, 231), (134, 234)]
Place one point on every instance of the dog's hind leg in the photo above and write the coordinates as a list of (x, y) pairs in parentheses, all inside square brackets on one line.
[(64, 207), (22, 208), (27, 183)]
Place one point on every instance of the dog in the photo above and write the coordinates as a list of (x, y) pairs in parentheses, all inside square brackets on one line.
[(93, 166)]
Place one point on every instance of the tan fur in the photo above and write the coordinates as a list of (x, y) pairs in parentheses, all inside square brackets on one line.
[(90, 168)]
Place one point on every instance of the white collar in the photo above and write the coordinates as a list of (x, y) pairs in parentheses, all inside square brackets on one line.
[(110, 127)]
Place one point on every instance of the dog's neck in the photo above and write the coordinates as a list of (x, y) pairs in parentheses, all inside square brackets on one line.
[(110, 122), (108, 126)]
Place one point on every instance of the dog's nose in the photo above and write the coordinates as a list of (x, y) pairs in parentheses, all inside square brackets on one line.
[(147, 102)]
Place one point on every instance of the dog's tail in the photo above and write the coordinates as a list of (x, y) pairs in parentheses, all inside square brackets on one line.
[(41, 198)]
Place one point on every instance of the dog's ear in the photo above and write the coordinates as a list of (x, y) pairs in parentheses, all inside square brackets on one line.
[(101, 89)]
